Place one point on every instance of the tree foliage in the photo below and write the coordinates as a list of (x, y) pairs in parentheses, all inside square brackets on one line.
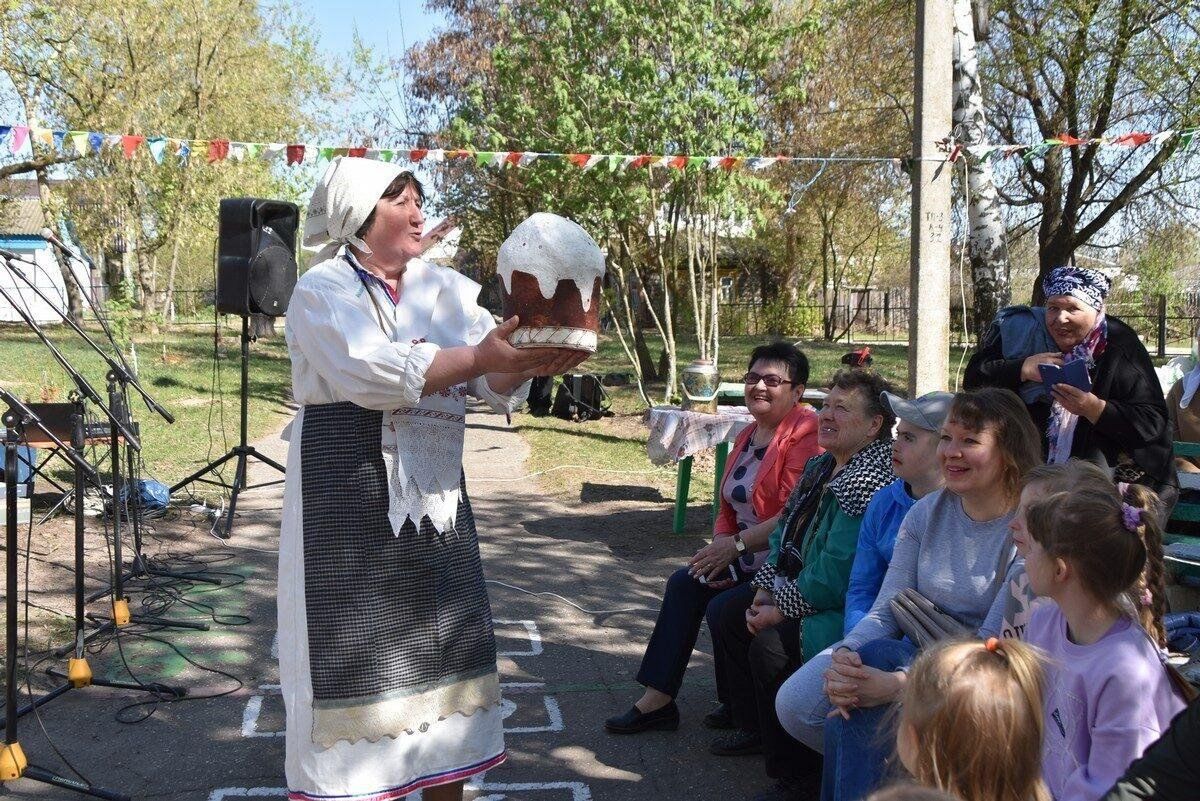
[(1090, 68), (231, 69)]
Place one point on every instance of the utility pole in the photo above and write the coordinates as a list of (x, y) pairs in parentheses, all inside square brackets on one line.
[(929, 271)]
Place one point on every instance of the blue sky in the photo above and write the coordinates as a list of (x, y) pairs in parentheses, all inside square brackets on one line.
[(387, 25)]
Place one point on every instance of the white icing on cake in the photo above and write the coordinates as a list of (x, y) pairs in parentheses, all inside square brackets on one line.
[(551, 249)]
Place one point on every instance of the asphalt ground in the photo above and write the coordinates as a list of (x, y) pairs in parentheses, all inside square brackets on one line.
[(563, 669)]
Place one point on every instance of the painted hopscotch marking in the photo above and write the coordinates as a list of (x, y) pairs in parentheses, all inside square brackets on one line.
[(496, 791), (554, 715), (553, 712), (535, 637)]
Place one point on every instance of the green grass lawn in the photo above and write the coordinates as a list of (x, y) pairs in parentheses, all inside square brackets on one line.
[(175, 367), (591, 452)]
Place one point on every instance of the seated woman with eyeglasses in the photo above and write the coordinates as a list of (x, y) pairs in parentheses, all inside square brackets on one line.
[(766, 460)]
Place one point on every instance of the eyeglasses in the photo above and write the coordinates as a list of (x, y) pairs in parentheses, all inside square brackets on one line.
[(771, 380)]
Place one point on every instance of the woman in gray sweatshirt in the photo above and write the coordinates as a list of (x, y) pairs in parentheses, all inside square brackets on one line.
[(955, 549)]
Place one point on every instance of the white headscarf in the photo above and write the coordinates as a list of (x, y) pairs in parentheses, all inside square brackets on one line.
[(1191, 381), (342, 201)]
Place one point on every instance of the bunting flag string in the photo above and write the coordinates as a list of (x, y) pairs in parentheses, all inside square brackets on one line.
[(85, 143), (1128, 141)]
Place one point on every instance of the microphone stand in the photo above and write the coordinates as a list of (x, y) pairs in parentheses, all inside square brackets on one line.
[(119, 378), (13, 762), (117, 429)]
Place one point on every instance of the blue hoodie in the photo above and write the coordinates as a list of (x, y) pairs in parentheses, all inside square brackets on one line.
[(876, 538)]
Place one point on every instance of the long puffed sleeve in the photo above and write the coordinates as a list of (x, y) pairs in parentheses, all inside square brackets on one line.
[(339, 352), (478, 324)]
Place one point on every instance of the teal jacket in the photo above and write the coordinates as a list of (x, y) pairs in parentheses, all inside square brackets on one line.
[(818, 593)]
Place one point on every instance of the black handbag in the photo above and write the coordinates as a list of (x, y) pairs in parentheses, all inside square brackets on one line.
[(580, 397)]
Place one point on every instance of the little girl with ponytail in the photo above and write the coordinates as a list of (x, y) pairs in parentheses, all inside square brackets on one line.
[(971, 721), (1094, 551)]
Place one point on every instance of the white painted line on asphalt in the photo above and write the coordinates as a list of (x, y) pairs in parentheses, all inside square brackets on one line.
[(552, 712), (497, 791), (579, 790), (535, 637), (247, 792), (250, 719)]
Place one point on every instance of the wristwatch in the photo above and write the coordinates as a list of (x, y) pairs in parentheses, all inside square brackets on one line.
[(739, 543)]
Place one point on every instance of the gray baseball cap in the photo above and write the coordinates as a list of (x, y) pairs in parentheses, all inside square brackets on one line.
[(928, 411)]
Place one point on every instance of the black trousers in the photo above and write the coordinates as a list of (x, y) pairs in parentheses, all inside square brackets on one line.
[(684, 606), (752, 669)]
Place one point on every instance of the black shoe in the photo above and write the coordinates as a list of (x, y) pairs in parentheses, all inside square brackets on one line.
[(634, 721), (737, 743), (719, 718)]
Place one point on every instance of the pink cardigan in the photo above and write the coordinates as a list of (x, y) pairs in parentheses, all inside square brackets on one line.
[(794, 443)]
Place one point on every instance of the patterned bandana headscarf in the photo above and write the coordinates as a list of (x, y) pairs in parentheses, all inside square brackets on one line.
[(1090, 287), (1087, 286), (342, 201)]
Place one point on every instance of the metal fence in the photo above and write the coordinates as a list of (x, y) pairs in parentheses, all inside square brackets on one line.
[(1165, 323)]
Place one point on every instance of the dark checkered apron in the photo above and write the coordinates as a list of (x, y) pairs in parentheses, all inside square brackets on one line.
[(389, 616)]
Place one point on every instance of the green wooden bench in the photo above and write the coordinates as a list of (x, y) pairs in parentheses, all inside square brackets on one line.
[(1184, 512)]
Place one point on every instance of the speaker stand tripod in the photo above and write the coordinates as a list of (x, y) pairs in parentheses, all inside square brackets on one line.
[(13, 762), (122, 487), (241, 452)]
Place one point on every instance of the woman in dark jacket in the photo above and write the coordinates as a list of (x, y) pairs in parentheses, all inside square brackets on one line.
[(1122, 423)]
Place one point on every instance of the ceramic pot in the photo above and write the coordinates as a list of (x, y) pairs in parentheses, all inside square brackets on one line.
[(700, 381)]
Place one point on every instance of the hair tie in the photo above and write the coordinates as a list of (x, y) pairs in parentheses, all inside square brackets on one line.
[(1122, 488), (1131, 516), (992, 644), (1146, 598)]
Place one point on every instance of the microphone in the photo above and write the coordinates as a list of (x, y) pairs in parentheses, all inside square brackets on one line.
[(49, 236), (8, 254)]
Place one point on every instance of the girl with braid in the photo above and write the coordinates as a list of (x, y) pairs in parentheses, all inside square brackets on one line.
[(1097, 553)]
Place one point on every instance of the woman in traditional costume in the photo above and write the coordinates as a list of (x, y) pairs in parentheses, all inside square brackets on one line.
[(386, 649)]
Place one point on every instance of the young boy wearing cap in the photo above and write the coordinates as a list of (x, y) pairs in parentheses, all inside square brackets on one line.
[(914, 461)]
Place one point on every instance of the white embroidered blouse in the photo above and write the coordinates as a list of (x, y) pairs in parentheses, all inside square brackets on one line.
[(348, 341)]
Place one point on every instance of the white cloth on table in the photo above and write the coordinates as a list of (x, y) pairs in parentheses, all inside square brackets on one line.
[(340, 353), (676, 434)]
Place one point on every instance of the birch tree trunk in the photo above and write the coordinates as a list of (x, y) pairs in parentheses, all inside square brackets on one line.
[(988, 251)]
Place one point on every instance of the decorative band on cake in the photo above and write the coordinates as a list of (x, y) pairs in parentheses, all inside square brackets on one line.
[(554, 337)]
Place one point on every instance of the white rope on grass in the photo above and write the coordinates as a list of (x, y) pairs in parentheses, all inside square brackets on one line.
[(527, 476)]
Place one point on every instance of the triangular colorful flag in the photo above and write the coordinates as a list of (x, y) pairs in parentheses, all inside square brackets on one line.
[(761, 162), (57, 138), (356, 152), (713, 162), (1185, 138), (43, 136), (273, 150), (387, 154), (1068, 140), (158, 146), (484, 158), (1135, 139), (579, 159), (253, 150), (185, 152), (79, 140), (640, 161), (325, 153), (19, 134), (437, 155), (95, 141), (237, 151), (218, 150), (697, 162), (417, 154), (130, 143), (295, 154)]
